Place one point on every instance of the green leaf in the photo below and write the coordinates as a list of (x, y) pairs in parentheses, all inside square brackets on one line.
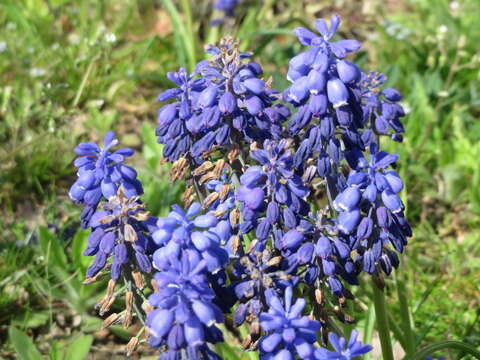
[(442, 345), (120, 332), (152, 151), (23, 345), (79, 244), (79, 348), (31, 319), (56, 351), (91, 323), (51, 248), (228, 352)]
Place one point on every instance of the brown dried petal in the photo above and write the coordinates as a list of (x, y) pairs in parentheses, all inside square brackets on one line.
[(111, 287), (127, 321), (106, 305), (233, 154), (207, 177), (274, 261), (236, 244), (112, 319), (130, 233), (141, 215), (219, 167), (224, 190), (131, 346), (210, 199), (234, 217), (319, 296), (202, 169), (138, 279), (129, 301), (187, 196)]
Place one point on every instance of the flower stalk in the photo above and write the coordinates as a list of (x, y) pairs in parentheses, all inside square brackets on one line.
[(382, 321)]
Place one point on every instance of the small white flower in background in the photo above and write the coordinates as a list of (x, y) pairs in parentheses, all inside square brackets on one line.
[(454, 5), (3, 46), (110, 38), (406, 107), (37, 72), (442, 29)]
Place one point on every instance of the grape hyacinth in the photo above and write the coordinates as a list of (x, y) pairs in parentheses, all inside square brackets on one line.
[(277, 205), (185, 315), (226, 101), (181, 231), (100, 173), (343, 350), (227, 6), (288, 332), (120, 229)]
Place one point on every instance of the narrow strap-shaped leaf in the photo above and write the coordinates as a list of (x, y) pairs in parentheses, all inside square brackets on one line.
[(448, 344)]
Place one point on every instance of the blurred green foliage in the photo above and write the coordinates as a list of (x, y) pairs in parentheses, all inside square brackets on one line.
[(71, 70)]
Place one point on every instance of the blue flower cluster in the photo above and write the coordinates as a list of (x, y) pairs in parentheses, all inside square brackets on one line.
[(342, 349), (227, 6), (185, 315), (286, 203), (121, 230), (289, 333), (222, 102), (100, 173), (120, 227), (185, 311), (187, 230)]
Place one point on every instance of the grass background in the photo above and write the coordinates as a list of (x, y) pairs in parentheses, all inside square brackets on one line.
[(72, 69)]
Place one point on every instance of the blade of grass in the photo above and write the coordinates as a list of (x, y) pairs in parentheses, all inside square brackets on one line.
[(442, 345), (190, 38), (185, 51), (405, 315)]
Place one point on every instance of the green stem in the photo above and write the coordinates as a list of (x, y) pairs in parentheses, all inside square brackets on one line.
[(382, 322), (405, 315)]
